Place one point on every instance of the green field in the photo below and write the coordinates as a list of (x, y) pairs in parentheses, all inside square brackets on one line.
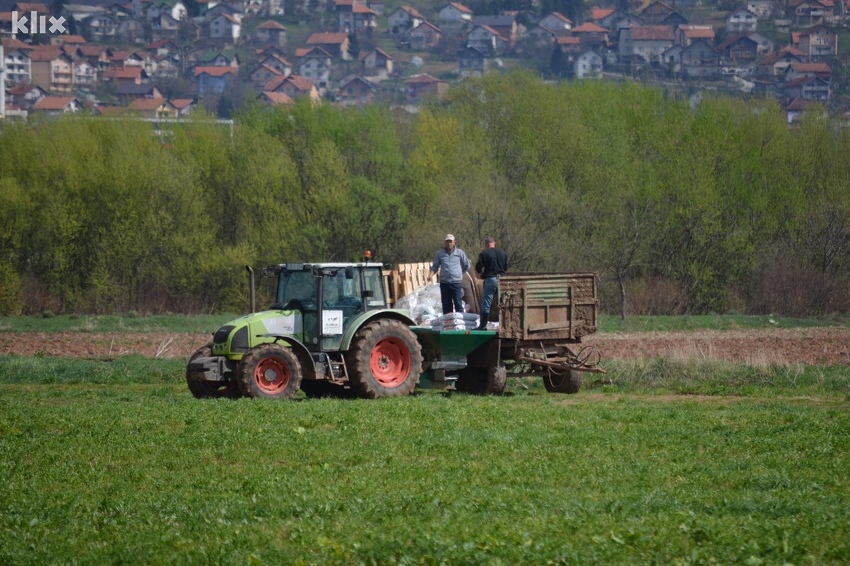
[(655, 462)]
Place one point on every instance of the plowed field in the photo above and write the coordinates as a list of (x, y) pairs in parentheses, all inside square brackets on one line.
[(814, 346)]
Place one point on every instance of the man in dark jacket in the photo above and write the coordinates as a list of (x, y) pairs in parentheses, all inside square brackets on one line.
[(492, 263)]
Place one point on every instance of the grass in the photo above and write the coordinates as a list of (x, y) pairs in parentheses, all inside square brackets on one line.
[(208, 323), (654, 462)]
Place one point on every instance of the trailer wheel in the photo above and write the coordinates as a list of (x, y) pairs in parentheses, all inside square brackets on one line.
[(269, 371), (568, 381), (201, 389), (385, 360), (483, 381)]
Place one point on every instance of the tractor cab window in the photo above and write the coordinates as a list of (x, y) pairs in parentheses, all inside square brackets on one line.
[(341, 293), (298, 286), (375, 283)]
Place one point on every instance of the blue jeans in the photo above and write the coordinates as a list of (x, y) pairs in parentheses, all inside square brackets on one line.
[(451, 294), (491, 286)]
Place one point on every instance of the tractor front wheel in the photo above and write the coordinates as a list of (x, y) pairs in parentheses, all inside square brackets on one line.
[(385, 360), (202, 389), (269, 371)]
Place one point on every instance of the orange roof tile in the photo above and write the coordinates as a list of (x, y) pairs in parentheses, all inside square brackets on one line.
[(53, 103), (215, 71)]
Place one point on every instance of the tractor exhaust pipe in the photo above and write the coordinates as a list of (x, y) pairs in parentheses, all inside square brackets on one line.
[(252, 291)]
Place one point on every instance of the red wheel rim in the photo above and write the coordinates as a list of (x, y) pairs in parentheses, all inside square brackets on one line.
[(271, 375), (390, 362)]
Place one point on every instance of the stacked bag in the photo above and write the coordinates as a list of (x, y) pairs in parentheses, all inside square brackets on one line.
[(456, 321)]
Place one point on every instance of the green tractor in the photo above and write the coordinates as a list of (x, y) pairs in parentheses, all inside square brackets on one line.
[(329, 330)]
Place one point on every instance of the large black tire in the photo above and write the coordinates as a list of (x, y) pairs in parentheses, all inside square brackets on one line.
[(567, 382), (385, 360), (210, 389), (483, 381), (269, 371)]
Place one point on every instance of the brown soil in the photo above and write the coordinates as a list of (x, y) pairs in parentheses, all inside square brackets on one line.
[(814, 346)]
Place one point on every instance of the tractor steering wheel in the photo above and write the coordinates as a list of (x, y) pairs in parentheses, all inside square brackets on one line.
[(294, 304)]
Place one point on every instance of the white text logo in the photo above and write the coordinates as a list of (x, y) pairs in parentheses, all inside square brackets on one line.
[(37, 24)]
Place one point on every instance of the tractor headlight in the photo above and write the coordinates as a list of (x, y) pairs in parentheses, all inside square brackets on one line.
[(222, 334)]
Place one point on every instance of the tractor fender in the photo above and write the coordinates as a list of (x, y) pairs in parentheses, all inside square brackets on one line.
[(308, 367), (357, 323)]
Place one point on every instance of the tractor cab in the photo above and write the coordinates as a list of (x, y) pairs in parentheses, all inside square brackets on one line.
[(328, 296)]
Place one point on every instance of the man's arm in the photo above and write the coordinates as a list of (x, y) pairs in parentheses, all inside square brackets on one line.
[(435, 266)]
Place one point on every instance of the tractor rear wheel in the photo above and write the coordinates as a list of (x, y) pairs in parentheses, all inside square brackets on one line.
[(567, 382), (483, 381), (210, 389), (269, 371), (385, 360)]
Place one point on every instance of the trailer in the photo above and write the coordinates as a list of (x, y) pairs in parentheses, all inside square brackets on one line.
[(542, 320)]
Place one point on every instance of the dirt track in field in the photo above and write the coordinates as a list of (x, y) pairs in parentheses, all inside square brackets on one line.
[(812, 346)]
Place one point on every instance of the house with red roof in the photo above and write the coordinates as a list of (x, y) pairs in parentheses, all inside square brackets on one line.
[(817, 42), (419, 87), (354, 90), (454, 15), (403, 19), (689, 33), (153, 108), (376, 63), (214, 79), (775, 64), (270, 33), (591, 35), (275, 98), (335, 43), (425, 36), (132, 74), (645, 43), (294, 86), (54, 105), (353, 16), (52, 69)]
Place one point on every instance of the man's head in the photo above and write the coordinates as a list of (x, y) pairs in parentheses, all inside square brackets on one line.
[(450, 242), (489, 242)]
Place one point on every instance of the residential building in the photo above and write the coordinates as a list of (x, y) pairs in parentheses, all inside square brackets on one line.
[(17, 61), (377, 63), (425, 36), (54, 105), (356, 91), (315, 65), (52, 69), (271, 33), (227, 27), (817, 42), (336, 44), (352, 16), (404, 19), (588, 65), (153, 108), (420, 87), (472, 62), (741, 22), (213, 80), (454, 15)]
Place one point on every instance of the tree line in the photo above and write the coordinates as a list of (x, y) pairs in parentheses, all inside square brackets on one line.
[(721, 207)]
